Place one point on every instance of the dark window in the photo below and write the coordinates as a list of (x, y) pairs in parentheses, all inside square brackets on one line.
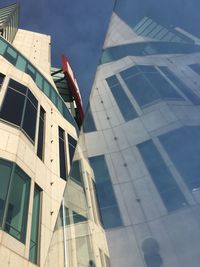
[(34, 241), (13, 106), (20, 108), (72, 146), (75, 172), (108, 205), (5, 173), (2, 76), (30, 117), (41, 136), (184, 89), (62, 153), (78, 217), (183, 147), (162, 177), (17, 212), (122, 100)]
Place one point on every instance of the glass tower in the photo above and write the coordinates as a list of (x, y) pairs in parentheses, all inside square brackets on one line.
[(142, 132)]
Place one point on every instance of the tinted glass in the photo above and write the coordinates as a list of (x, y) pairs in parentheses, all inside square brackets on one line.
[(89, 124), (183, 147), (5, 172), (21, 63), (16, 100), (11, 55), (62, 154), (75, 172), (29, 122), (78, 218), (143, 92), (162, 177), (40, 148), (17, 86), (123, 101), (33, 251), (105, 193), (72, 146), (16, 220), (165, 89), (2, 76), (185, 90)]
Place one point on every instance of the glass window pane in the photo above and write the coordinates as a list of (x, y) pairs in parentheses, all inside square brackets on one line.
[(5, 172), (105, 193), (142, 90), (33, 251), (12, 99), (46, 89), (30, 117), (62, 154), (39, 80), (16, 219), (40, 148), (21, 63), (78, 218), (75, 172), (3, 46), (17, 86), (122, 100), (129, 72), (11, 55), (30, 70), (183, 147), (32, 98), (162, 177), (72, 146), (165, 89), (111, 217), (2, 76), (89, 124), (185, 90)]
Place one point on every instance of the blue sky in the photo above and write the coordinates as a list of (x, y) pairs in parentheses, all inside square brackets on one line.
[(78, 27)]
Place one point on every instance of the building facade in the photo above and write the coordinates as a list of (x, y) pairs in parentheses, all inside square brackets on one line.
[(38, 137), (142, 132)]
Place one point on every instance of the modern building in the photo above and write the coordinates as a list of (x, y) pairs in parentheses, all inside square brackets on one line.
[(40, 115), (142, 137)]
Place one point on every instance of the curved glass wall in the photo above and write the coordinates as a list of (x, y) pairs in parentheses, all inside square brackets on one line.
[(146, 49)]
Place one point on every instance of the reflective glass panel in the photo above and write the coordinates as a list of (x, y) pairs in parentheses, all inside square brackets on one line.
[(185, 90), (162, 177), (5, 173), (16, 100), (16, 219), (183, 147), (62, 154), (29, 121), (123, 102), (105, 193), (21, 63), (41, 136), (33, 250)]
